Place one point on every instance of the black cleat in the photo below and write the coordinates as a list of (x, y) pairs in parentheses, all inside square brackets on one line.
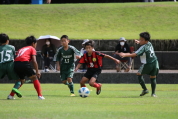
[(144, 92), (98, 90)]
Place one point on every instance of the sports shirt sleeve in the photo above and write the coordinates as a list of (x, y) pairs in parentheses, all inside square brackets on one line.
[(33, 51), (78, 53), (82, 60), (13, 50), (57, 56), (140, 51), (100, 54)]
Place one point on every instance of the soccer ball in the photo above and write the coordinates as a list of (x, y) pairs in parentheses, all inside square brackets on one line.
[(84, 92)]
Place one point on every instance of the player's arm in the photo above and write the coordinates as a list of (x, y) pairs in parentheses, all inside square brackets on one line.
[(78, 66), (81, 61), (58, 66), (57, 58), (77, 53), (137, 41), (112, 58), (127, 55), (35, 65)]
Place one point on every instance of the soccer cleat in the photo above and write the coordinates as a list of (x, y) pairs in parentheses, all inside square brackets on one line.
[(154, 95), (9, 97), (72, 95), (98, 90), (28, 81), (17, 92), (144, 92), (41, 98)]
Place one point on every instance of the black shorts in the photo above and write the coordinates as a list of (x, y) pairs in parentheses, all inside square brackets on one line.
[(92, 72), (23, 69)]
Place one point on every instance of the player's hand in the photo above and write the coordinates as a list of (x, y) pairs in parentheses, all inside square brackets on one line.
[(57, 68), (137, 41), (117, 61), (78, 57), (38, 74), (122, 55), (76, 69)]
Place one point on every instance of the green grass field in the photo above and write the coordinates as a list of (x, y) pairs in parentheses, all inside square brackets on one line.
[(93, 21), (117, 101)]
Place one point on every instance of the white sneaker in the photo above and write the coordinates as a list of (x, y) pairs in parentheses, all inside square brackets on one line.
[(154, 95), (47, 70), (41, 98), (9, 97)]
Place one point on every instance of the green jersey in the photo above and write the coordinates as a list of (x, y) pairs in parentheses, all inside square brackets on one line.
[(146, 53), (7, 53), (66, 57)]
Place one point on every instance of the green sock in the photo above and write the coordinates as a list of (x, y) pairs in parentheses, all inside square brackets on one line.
[(17, 85), (71, 87), (153, 85), (142, 82)]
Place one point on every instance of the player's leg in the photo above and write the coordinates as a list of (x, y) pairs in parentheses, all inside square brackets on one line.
[(15, 90), (153, 85), (83, 81), (93, 83), (71, 86), (37, 86), (153, 76), (141, 80), (13, 76)]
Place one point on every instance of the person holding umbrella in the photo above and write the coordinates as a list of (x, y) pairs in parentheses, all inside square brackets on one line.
[(47, 45), (48, 51)]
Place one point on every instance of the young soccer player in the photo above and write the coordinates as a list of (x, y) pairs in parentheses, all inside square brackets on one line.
[(23, 68), (93, 60), (149, 62), (7, 54), (64, 58)]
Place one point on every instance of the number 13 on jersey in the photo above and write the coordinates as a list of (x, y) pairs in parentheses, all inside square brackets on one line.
[(66, 60)]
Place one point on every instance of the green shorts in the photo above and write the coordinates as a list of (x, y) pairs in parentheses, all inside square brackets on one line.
[(151, 69), (8, 69), (67, 71)]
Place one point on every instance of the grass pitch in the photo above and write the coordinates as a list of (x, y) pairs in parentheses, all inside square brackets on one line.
[(92, 21), (117, 101)]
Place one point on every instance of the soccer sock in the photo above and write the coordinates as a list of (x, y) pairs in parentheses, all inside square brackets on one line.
[(96, 85), (71, 87), (142, 82), (37, 87), (82, 85), (17, 86), (153, 85)]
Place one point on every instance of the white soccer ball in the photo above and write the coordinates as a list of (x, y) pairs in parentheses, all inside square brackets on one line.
[(84, 92)]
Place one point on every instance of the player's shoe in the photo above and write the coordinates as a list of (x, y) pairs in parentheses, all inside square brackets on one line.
[(154, 95), (16, 91), (98, 90), (144, 92), (41, 98), (9, 97), (72, 95)]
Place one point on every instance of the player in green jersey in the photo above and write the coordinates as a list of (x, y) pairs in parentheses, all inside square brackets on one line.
[(65, 62), (7, 54), (149, 62)]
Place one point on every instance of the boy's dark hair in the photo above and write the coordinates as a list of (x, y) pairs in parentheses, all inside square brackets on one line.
[(30, 39), (3, 38), (90, 43), (65, 36), (145, 35)]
